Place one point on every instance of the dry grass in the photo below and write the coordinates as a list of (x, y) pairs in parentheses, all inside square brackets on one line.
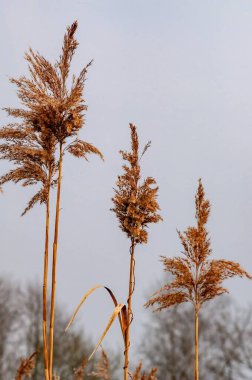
[(119, 311), (196, 278), (31, 148), (79, 373), (26, 367), (52, 114), (32, 153), (49, 122), (66, 118), (102, 368), (135, 203), (139, 375), (135, 206), (55, 377)]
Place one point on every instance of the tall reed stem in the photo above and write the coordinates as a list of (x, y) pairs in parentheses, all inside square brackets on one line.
[(45, 348), (54, 265), (196, 323), (129, 301), (196, 343)]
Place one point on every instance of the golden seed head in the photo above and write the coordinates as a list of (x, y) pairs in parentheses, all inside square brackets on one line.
[(135, 203)]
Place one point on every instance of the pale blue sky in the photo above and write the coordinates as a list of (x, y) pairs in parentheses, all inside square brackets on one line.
[(182, 72)]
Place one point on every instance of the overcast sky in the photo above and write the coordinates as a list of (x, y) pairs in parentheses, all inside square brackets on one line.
[(182, 72)]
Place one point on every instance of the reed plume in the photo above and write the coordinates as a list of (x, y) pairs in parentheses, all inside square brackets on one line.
[(26, 367), (67, 111), (32, 152), (51, 117), (138, 375), (102, 367), (196, 278), (135, 206), (79, 373)]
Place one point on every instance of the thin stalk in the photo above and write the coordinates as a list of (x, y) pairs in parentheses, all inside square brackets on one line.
[(196, 328), (54, 265), (129, 319), (196, 343), (45, 343)]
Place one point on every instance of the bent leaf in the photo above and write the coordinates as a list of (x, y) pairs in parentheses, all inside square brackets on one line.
[(124, 319), (116, 303), (116, 312), (81, 302), (84, 299)]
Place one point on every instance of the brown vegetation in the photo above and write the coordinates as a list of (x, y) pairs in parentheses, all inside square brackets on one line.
[(135, 206), (79, 372), (102, 368), (26, 367), (137, 375), (196, 278), (51, 116), (31, 148), (48, 124)]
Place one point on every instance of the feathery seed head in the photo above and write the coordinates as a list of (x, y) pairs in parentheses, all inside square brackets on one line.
[(51, 114), (195, 277), (102, 368), (138, 375), (26, 367), (135, 204)]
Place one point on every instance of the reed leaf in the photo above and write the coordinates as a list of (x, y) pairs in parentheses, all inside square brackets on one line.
[(115, 313), (86, 295)]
